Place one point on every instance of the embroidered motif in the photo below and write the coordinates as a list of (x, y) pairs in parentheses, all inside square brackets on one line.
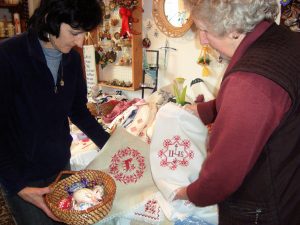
[(151, 210), (133, 129), (176, 153), (127, 166)]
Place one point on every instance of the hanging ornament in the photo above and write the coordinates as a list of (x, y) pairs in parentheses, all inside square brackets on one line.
[(156, 33), (204, 60), (106, 13), (114, 22), (111, 56), (125, 11), (148, 25), (146, 42), (112, 5), (125, 15)]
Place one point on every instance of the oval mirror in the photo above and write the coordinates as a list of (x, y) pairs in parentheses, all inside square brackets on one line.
[(171, 17)]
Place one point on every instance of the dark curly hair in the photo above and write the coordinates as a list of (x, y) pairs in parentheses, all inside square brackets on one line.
[(79, 14)]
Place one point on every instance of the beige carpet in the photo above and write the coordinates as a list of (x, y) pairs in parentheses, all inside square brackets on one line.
[(5, 216)]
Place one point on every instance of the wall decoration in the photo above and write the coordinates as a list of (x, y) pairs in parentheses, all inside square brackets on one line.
[(115, 39), (290, 14), (204, 60), (90, 62), (125, 10)]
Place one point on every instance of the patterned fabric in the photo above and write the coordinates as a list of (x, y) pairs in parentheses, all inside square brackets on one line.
[(126, 158), (192, 220), (177, 151)]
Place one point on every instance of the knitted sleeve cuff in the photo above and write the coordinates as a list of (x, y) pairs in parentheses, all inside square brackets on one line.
[(207, 111)]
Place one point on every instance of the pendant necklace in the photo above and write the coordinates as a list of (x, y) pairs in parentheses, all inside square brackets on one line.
[(61, 82)]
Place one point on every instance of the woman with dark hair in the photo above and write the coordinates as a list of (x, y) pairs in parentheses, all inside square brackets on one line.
[(41, 86), (252, 169)]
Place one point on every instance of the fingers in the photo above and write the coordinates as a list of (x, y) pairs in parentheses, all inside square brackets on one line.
[(45, 190), (181, 194), (36, 197), (48, 212)]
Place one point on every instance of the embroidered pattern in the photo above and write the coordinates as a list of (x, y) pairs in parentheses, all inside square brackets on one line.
[(176, 153), (151, 210), (127, 166)]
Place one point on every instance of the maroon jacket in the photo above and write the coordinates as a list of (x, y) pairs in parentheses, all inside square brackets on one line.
[(251, 169)]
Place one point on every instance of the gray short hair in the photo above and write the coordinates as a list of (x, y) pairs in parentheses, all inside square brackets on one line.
[(225, 16)]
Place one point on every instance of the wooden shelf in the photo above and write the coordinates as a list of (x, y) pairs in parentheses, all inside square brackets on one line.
[(15, 8), (9, 6), (117, 87), (136, 52)]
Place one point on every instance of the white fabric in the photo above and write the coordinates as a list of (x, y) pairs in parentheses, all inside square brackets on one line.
[(126, 158), (83, 150), (201, 88), (140, 120), (177, 151)]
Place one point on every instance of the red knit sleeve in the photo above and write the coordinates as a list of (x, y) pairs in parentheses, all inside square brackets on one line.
[(249, 108), (207, 111)]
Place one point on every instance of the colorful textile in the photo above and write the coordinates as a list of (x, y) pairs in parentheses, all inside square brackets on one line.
[(117, 110)]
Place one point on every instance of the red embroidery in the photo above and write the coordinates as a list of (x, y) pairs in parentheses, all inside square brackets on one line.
[(127, 166), (133, 129), (176, 152), (151, 210)]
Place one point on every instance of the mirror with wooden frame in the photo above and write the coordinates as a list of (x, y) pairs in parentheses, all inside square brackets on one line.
[(171, 17)]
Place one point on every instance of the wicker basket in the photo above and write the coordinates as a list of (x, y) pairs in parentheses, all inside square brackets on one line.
[(90, 215)]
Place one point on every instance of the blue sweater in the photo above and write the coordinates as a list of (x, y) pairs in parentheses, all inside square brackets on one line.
[(34, 136)]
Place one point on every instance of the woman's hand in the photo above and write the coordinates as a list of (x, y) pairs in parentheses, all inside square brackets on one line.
[(35, 196), (192, 109), (181, 194)]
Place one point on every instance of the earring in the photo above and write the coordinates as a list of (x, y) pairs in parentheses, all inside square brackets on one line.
[(235, 36), (48, 36), (220, 59)]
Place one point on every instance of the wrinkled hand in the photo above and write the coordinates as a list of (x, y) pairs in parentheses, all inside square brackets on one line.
[(192, 109), (36, 197), (181, 194)]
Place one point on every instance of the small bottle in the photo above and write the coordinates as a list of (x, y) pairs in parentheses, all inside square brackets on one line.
[(2, 30), (17, 23), (10, 30)]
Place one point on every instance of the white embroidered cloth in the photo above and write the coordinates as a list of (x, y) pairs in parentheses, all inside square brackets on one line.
[(177, 151), (126, 158)]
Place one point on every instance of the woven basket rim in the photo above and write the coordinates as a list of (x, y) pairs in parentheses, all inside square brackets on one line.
[(55, 185)]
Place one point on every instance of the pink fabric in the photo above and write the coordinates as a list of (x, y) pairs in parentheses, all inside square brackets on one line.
[(118, 109), (247, 115)]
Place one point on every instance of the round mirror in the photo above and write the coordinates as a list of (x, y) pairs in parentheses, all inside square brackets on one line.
[(171, 17), (175, 13)]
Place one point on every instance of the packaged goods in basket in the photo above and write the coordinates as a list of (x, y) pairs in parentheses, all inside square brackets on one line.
[(85, 197)]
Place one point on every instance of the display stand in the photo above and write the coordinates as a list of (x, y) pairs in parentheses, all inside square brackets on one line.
[(151, 69)]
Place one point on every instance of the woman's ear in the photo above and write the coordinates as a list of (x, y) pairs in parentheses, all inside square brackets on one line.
[(234, 35)]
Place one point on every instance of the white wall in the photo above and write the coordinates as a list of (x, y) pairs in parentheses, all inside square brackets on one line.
[(179, 63)]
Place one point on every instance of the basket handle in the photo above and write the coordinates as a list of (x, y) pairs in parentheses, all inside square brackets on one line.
[(64, 172)]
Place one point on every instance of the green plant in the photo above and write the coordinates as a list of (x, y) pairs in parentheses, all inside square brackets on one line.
[(179, 90)]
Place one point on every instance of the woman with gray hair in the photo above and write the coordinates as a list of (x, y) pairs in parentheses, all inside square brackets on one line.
[(252, 170)]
